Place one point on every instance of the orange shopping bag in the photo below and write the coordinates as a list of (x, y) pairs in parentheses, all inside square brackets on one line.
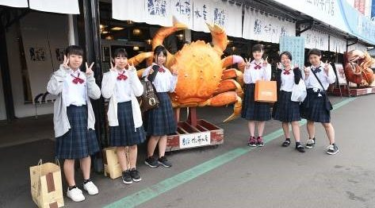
[(265, 91)]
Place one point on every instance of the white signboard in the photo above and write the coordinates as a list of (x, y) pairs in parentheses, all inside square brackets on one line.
[(327, 11), (195, 140), (262, 27)]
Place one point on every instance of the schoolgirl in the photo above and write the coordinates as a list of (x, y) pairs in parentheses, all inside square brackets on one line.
[(317, 107), (121, 85), (161, 120), (256, 112), (74, 119), (285, 110)]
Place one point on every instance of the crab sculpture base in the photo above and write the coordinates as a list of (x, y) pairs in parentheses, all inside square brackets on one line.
[(346, 91), (194, 133)]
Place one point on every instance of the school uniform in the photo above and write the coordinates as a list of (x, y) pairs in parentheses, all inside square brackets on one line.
[(251, 110), (285, 110), (122, 87), (161, 120), (316, 105), (74, 118)]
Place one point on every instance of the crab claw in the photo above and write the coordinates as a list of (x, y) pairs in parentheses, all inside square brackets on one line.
[(164, 32), (139, 58), (234, 59), (219, 37)]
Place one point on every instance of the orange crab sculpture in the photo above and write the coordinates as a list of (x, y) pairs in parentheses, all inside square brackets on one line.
[(357, 68), (203, 78)]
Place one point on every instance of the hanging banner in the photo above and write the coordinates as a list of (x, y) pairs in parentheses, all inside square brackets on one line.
[(202, 14), (44, 43), (56, 6), (194, 13), (233, 19), (263, 27), (158, 12), (225, 14), (296, 46), (183, 11), (337, 44), (316, 39), (13, 3), (133, 10)]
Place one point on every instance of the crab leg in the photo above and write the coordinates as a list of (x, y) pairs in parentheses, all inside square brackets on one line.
[(139, 58), (230, 85), (219, 38), (233, 74), (234, 59), (225, 99)]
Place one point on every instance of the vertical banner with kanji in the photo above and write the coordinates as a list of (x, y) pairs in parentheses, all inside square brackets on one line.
[(296, 46), (182, 10), (158, 12)]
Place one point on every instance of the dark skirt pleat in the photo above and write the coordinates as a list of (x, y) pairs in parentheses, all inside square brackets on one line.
[(161, 120), (285, 109), (254, 111), (125, 134), (315, 108), (79, 142)]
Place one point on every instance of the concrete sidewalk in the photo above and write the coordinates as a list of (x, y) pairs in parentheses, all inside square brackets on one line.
[(271, 176)]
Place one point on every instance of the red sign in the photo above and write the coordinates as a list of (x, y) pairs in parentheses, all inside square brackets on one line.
[(360, 5)]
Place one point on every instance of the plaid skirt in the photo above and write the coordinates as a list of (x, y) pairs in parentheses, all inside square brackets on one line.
[(161, 120), (79, 142), (314, 108), (125, 134), (285, 110), (254, 111)]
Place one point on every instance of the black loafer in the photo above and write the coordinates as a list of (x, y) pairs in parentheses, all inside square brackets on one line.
[(300, 148), (286, 143)]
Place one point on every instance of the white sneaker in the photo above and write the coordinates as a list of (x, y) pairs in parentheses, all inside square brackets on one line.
[(91, 188), (75, 195), (310, 143)]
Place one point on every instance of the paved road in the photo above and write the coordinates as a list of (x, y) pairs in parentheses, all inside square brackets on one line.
[(234, 175)]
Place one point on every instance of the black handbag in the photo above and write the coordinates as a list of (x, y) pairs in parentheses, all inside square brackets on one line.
[(149, 99)]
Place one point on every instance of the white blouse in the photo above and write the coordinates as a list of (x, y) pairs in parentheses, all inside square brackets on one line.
[(164, 81), (312, 82), (123, 90), (253, 73), (75, 94), (287, 80)]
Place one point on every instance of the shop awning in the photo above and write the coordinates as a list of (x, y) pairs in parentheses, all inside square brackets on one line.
[(338, 14), (193, 13), (54, 6)]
